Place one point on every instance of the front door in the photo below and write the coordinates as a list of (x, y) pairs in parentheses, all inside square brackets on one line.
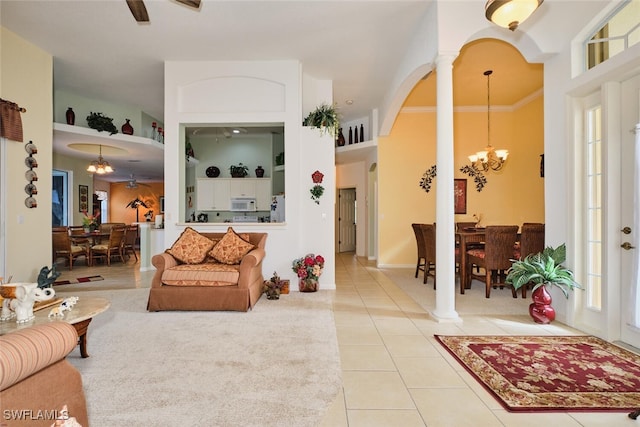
[(629, 213)]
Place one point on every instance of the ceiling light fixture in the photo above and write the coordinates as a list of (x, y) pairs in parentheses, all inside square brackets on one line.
[(100, 166), (510, 13), (489, 158)]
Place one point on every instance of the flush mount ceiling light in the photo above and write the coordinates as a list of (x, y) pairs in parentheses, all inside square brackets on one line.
[(489, 158), (510, 13), (100, 166)]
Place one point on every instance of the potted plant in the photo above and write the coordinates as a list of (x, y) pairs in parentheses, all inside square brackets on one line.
[(325, 118), (273, 287), (239, 171), (308, 268), (542, 269)]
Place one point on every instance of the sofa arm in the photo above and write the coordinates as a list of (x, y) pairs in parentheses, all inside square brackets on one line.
[(29, 350), (251, 268), (161, 262)]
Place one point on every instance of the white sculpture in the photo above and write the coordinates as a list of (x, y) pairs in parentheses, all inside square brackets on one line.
[(26, 294), (66, 305)]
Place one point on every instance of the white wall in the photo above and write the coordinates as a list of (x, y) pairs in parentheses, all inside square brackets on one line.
[(256, 92)]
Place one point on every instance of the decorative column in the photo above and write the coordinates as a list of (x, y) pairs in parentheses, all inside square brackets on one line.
[(445, 235)]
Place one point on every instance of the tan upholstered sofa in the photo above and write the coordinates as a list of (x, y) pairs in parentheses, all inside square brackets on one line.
[(209, 284), (36, 380)]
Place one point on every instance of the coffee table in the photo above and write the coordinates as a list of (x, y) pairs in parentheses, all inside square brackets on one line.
[(79, 317)]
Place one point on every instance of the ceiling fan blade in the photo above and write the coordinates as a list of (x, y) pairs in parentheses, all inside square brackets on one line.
[(138, 10), (191, 3)]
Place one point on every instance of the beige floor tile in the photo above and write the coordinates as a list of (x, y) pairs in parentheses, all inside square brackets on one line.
[(428, 372), (336, 415), (409, 346), (453, 407), (375, 390), (358, 335), (396, 326), (602, 419), (365, 358), (537, 419), (385, 418)]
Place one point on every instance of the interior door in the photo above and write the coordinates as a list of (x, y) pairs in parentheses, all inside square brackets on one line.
[(629, 213), (347, 220)]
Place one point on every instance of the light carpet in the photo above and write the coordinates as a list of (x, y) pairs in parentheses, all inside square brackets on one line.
[(275, 365)]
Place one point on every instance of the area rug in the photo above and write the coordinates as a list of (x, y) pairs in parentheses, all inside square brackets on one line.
[(79, 280), (551, 373), (276, 365)]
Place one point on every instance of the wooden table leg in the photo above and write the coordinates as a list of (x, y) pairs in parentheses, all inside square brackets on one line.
[(463, 265), (81, 329)]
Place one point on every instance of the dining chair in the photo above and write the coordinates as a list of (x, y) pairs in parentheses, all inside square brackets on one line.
[(495, 257), (420, 262), (428, 232), (130, 238), (531, 242), (114, 247), (76, 232), (463, 226), (63, 248)]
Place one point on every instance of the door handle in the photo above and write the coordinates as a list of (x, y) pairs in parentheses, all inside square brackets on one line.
[(626, 246), (626, 230)]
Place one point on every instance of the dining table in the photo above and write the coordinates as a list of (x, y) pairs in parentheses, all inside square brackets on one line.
[(95, 236)]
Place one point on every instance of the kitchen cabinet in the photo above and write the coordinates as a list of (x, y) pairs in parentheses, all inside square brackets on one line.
[(215, 194), (212, 194)]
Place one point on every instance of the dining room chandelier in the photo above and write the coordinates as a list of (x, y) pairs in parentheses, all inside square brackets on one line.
[(510, 13), (100, 166), (489, 158)]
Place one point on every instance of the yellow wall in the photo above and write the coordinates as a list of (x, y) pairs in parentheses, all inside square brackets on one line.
[(511, 196), (120, 196), (26, 78)]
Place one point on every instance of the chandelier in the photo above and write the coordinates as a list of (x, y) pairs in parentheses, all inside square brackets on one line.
[(100, 166), (489, 158), (510, 13)]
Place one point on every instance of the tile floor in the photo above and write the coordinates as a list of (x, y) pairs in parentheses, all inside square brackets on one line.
[(394, 372)]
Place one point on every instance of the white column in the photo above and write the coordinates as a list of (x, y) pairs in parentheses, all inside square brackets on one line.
[(445, 234)]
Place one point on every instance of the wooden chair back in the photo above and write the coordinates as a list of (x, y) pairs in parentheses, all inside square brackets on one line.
[(498, 248), (531, 239)]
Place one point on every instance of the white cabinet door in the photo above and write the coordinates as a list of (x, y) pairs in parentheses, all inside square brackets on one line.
[(242, 187), (263, 194), (212, 194)]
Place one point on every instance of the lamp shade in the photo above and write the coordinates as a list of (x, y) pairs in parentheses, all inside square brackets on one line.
[(510, 13)]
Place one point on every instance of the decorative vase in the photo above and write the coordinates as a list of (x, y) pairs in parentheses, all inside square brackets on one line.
[(355, 135), (308, 285), (541, 310), (361, 132), (127, 129), (259, 172), (71, 116), (340, 141), (86, 229), (350, 135)]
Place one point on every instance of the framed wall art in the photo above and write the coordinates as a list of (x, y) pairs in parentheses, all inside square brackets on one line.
[(83, 198), (460, 196)]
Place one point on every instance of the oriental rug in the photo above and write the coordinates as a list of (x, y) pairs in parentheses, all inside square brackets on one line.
[(78, 280), (551, 373)]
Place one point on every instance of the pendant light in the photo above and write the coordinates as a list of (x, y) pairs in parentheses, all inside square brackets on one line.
[(100, 166)]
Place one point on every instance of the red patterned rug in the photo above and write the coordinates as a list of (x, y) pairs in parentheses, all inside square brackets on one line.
[(551, 373), (79, 280)]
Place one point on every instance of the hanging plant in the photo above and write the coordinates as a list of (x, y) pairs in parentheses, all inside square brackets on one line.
[(100, 122), (325, 118)]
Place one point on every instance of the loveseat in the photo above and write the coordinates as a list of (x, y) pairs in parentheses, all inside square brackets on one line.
[(228, 276), (36, 380)]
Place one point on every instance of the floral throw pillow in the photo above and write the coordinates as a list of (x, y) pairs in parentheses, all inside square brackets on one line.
[(191, 247), (231, 248)]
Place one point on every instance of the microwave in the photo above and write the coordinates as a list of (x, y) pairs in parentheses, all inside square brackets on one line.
[(243, 204)]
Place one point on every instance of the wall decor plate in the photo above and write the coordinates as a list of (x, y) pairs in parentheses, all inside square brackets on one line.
[(31, 162), (212, 172), (30, 202), (31, 175), (30, 189), (31, 148)]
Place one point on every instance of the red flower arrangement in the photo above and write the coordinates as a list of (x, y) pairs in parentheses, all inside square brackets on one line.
[(308, 267), (317, 190)]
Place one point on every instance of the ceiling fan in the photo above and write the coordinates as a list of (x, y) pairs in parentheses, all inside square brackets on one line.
[(132, 183), (139, 10)]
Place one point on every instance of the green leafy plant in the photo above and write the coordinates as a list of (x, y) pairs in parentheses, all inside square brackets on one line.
[(239, 171), (543, 268), (100, 122), (325, 118)]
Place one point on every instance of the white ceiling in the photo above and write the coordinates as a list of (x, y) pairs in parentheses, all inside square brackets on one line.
[(101, 52)]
